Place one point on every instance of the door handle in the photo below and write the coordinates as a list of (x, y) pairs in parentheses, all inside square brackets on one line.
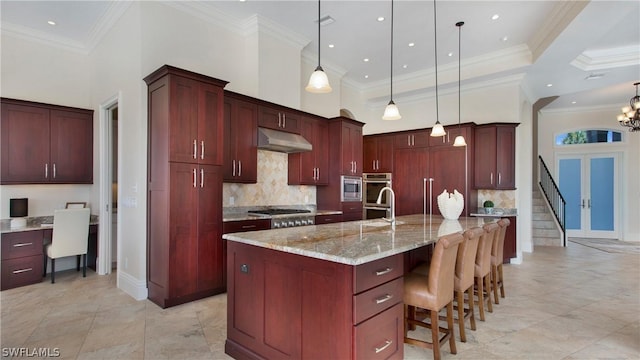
[(582, 205), (195, 148), (234, 168), (202, 150), (201, 177), (589, 203)]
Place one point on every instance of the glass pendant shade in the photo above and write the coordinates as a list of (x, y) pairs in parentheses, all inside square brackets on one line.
[(391, 112), (438, 130), (318, 82), (459, 141)]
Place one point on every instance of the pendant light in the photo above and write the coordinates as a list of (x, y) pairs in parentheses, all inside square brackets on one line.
[(437, 130), (391, 112), (459, 141), (318, 82)]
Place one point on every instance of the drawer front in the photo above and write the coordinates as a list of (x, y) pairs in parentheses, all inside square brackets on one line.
[(381, 337), (372, 274), (376, 300), (21, 271), (20, 244), (245, 225), (328, 219)]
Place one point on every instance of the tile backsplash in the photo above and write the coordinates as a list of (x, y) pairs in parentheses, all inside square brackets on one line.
[(501, 198), (271, 188)]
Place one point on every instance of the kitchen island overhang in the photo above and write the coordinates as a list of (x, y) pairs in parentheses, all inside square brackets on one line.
[(325, 291)]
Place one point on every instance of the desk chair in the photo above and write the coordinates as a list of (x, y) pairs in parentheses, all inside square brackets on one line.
[(70, 237)]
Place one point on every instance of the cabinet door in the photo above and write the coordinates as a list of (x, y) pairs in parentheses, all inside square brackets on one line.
[(278, 119), (240, 141), (321, 150), (183, 238), (505, 157), (351, 149), (485, 157), (210, 125), (308, 159), (183, 120), (210, 256), (71, 147), (448, 170), (25, 144), (411, 167), (369, 154), (385, 154)]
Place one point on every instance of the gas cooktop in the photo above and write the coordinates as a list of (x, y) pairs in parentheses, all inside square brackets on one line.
[(278, 211)]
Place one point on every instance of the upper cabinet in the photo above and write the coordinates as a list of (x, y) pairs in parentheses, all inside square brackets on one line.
[(193, 129), (278, 118), (44, 144), (240, 139), (378, 153), (311, 167), (411, 139), (495, 156), (351, 144)]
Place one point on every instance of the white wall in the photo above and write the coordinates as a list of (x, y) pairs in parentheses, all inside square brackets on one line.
[(566, 120)]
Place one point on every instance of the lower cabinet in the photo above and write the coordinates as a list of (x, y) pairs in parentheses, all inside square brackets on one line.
[(328, 219), (239, 226), (287, 306), (184, 259), (22, 258), (351, 211), (510, 251)]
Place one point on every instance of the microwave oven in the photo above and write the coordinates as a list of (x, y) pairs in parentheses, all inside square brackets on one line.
[(350, 188)]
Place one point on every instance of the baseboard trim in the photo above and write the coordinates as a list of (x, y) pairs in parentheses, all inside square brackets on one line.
[(132, 286)]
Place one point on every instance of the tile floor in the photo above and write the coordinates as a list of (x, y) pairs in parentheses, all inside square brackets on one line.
[(562, 303)]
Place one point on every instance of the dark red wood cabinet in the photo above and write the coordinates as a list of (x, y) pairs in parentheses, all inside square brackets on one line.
[(46, 144), (184, 201), (311, 167), (494, 152), (345, 158), (22, 258), (240, 139), (411, 167), (274, 117), (377, 153)]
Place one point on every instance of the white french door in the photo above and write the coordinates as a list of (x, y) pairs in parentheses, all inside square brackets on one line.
[(589, 184)]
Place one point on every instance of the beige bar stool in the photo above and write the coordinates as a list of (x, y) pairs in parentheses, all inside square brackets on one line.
[(497, 255), (482, 272)]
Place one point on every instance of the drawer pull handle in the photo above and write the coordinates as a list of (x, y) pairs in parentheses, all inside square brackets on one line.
[(22, 270), (22, 244), (383, 299), (386, 345), (248, 226), (383, 272)]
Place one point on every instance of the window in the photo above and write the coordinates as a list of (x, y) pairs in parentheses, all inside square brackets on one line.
[(588, 137)]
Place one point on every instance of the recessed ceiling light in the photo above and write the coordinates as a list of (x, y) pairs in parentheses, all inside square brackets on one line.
[(405, 66), (380, 18), (450, 54), (51, 22), (504, 38), (366, 76), (495, 17), (573, 102), (331, 46), (365, 59), (549, 85), (412, 44)]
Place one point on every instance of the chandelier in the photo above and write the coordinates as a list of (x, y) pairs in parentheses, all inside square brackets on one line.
[(630, 116)]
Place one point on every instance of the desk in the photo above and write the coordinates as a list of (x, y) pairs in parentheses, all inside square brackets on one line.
[(23, 251)]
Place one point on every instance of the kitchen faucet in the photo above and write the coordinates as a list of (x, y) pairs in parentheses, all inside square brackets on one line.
[(392, 209)]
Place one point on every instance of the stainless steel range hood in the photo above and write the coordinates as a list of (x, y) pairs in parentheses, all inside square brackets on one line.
[(281, 141)]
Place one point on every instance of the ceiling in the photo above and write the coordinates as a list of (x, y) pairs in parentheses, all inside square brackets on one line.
[(563, 43)]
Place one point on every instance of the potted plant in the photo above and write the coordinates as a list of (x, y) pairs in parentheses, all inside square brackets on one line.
[(488, 206)]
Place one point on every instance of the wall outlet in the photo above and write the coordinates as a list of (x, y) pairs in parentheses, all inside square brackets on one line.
[(232, 200)]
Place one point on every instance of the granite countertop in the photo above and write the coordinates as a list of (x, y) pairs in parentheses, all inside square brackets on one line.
[(497, 212), (36, 223), (358, 242), (240, 214)]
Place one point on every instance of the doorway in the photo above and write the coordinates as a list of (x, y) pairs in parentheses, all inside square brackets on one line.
[(589, 184), (108, 218)]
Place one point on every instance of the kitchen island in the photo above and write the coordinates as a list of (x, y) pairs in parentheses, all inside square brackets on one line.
[(330, 291)]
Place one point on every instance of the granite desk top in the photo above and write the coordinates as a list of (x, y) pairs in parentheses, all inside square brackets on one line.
[(36, 223), (358, 242)]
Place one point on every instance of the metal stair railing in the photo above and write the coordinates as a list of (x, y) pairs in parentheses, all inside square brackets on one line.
[(554, 197)]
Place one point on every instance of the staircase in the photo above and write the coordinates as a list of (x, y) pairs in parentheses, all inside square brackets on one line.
[(544, 228)]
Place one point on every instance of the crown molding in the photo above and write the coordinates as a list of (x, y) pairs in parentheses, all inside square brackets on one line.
[(581, 109), (591, 60), (202, 11), (560, 17), (44, 38), (106, 22), (256, 23)]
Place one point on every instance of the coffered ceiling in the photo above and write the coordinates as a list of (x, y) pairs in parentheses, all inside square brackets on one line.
[(585, 52)]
